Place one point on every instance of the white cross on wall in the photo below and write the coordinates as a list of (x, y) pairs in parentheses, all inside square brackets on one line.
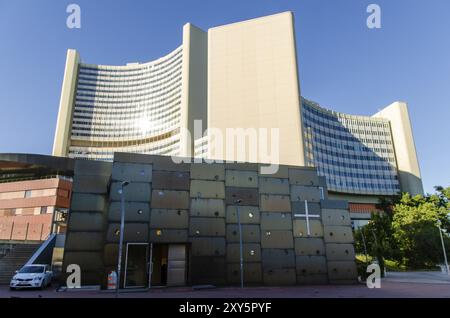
[(307, 216)]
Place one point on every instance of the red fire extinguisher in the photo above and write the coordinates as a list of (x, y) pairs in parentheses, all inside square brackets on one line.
[(112, 280)]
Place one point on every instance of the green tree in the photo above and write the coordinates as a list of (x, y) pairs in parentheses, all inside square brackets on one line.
[(415, 228), (378, 233), (405, 229)]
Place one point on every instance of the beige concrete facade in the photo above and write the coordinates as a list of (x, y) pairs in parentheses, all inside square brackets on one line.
[(66, 104), (194, 85), (405, 149), (253, 82)]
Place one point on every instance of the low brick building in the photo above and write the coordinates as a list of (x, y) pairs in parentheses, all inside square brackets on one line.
[(28, 208)]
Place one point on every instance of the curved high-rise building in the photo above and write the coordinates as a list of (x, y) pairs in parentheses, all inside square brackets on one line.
[(362, 157), (133, 108), (136, 108), (237, 76), (355, 153)]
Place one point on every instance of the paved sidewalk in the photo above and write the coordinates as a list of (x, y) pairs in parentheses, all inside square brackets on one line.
[(418, 277), (388, 289), (395, 285)]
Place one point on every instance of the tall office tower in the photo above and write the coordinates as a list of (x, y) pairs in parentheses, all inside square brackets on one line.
[(253, 83), (238, 76), (362, 157), (138, 108), (242, 75)]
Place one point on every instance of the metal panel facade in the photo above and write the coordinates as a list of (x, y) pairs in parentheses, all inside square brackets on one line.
[(275, 203), (166, 199), (241, 179), (208, 207), (194, 206), (207, 189), (273, 186), (248, 214), (213, 172)]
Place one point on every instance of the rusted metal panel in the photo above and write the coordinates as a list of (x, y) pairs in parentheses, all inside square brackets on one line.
[(165, 199), (241, 179), (250, 233), (342, 270), (302, 193), (248, 196), (279, 277), (273, 186), (275, 203), (276, 221), (340, 252), (86, 221), (311, 265), (250, 251), (301, 229), (303, 177), (84, 241), (278, 258), (207, 189), (134, 212), (171, 180), (336, 217), (207, 227), (169, 219), (213, 172), (277, 239), (138, 192), (338, 234), (131, 172), (88, 202), (208, 246), (134, 232), (208, 207), (252, 273), (309, 246), (168, 235)]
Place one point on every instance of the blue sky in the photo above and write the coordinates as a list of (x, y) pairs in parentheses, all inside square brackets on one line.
[(343, 64)]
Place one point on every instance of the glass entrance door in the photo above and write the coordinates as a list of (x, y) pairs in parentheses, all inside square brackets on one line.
[(136, 265)]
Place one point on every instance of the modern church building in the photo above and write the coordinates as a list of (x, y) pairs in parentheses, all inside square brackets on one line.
[(242, 75)]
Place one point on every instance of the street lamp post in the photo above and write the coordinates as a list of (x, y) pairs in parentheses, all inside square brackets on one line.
[(443, 246), (241, 253), (122, 226)]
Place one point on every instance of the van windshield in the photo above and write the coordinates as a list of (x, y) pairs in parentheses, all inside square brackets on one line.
[(32, 270)]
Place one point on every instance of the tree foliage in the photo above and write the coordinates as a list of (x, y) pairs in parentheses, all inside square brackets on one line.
[(406, 230)]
